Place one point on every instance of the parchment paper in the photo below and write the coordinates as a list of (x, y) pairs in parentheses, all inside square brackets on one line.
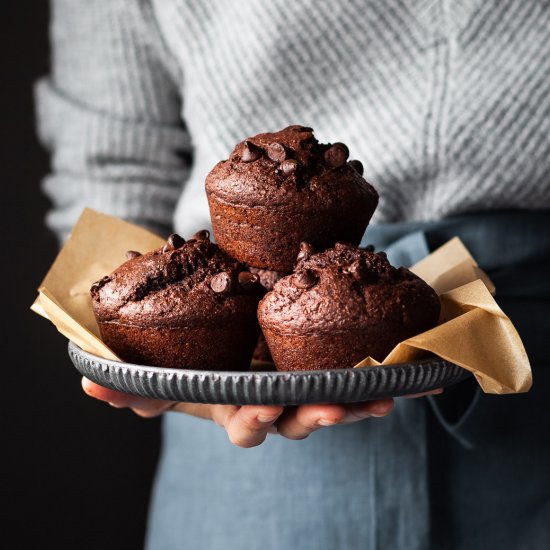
[(473, 331)]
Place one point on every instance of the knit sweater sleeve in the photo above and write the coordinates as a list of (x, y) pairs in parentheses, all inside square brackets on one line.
[(110, 113)]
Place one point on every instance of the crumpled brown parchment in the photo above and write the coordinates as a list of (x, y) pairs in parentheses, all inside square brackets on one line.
[(473, 331)]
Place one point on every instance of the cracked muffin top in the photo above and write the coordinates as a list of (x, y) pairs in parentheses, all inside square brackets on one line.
[(184, 283), (273, 169), (348, 288)]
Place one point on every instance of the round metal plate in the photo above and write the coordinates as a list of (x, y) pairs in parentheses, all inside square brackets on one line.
[(268, 387)]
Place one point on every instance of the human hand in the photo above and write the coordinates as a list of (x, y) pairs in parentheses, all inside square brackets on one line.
[(248, 425)]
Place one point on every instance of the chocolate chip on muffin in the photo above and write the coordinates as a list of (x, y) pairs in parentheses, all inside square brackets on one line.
[(341, 306), (167, 307), (279, 189)]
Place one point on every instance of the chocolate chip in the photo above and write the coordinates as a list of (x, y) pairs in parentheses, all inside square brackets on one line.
[(98, 284), (370, 248), (202, 235), (131, 254), (174, 242), (289, 167), (337, 155), (221, 283), (357, 165), (304, 279), (276, 152), (306, 250), (382, 254), (250, 152), (247, 279), (357, 270)]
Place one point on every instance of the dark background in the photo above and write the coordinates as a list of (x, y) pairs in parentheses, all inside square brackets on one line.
[(79, 472)]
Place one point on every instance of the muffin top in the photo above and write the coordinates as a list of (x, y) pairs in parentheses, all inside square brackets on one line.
[(184, 283), (271, 169), (348, 288)]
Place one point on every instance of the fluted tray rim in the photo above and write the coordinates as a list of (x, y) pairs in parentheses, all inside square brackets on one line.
[(349, 385), (251, 373)]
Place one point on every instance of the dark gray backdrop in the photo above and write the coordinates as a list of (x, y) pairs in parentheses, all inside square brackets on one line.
[(77, 473)]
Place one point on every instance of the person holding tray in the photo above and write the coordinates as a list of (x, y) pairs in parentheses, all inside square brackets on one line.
[(447, 107)]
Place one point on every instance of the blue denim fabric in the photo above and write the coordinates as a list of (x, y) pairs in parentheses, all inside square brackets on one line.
[(418, 479)]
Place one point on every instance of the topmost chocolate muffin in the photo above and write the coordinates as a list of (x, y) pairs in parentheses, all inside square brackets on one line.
[(279, 189)]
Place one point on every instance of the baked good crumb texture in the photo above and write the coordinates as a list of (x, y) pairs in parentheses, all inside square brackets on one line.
[(279, 189), (342, 305), (185, 305)]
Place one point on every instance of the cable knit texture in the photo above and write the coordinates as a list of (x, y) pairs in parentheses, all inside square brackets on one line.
[(446, 103)]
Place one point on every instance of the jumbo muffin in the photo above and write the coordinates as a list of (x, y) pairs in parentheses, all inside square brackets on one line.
[(342, 305), (185, 305), (279, 189)]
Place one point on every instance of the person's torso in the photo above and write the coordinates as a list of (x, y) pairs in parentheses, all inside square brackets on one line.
[(445, 103)]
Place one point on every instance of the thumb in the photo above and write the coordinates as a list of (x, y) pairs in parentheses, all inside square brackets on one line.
[(143, 406)]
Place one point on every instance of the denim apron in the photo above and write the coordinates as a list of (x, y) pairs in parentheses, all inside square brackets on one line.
[(462, 470)]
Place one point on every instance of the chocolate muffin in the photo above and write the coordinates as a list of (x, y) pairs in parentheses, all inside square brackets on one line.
[(341, 306), (261, 350), (267, 280), (279, 189), (185, 305)]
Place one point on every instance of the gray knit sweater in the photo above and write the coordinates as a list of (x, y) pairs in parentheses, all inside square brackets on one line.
[(446, 102)]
